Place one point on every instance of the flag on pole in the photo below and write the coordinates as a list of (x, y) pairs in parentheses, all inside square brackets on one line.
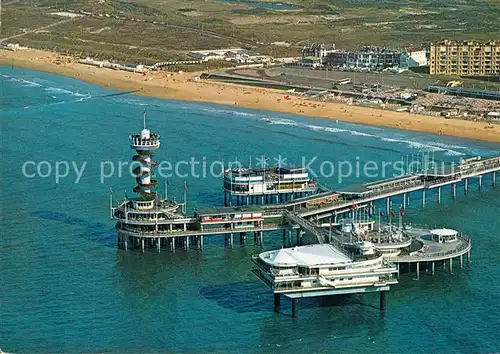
[(382, 214), (185, 186), (393, 214), (402, 211)]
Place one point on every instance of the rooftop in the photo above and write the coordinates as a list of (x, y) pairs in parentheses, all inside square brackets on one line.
[(444, 232), (305, 256)]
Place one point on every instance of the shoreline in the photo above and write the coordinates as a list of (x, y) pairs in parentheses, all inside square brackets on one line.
[(184, 87)]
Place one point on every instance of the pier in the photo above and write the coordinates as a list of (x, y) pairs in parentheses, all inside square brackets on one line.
[(294, 201), (367, 259)]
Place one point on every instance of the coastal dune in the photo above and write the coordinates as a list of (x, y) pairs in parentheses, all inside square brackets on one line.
[(185, 87)]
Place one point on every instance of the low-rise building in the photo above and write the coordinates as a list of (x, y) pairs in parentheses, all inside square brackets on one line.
[(311, 62), (318, 50), (412, 57), (369, 57), (235, 55)]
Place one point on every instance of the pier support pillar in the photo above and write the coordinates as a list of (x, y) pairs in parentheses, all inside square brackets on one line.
[(461, 261), (397, 267), (142, 244), (186, 243), (277, 299), (418, 271), (454, 191), (439, 195), (294, 307), (468, 257), (423, 198), (494, 181), (404, 200), (480, 182), (451, 265), (466, 186), (432, 272), (125, 243), (388, 205), (290, 238), (158, 244), (172, 244), (243, 238), (383, 301), (200, 243)]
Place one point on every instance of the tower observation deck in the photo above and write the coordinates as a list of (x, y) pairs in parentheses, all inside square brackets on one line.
[(145, 144), (146, 215)]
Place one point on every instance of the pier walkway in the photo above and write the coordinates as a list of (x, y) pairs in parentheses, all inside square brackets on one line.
[(305, 213), (370, 192)]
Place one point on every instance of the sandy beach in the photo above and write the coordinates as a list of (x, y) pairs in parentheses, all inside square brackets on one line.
[(184, 87)]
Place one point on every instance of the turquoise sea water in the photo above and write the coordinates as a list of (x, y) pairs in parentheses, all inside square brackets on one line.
[(64, 287)]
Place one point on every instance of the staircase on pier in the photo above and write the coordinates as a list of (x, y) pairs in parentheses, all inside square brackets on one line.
[(321, 235)]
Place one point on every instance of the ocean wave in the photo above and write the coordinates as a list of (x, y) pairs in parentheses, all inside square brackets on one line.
[(447, 149), (426, 146), (281, 122), (85, 98), (448, 146), (226, 111), (356, 133), (454, 153), (130, 101), (58, 90), (26, 83)]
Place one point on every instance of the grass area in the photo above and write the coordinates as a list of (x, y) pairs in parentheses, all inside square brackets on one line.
[(347, 23)]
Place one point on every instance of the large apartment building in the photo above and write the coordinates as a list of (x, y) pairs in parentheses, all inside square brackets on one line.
[(467, 58)]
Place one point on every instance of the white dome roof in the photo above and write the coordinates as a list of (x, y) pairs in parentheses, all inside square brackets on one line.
[(282, 257), (444, 232)]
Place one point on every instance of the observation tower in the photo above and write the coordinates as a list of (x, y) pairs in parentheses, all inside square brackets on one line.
[(145, 144), (147, 219)]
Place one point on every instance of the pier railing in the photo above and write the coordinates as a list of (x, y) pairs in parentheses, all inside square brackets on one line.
[(464, 248), (441, 181), (211, 231), (367, 197)]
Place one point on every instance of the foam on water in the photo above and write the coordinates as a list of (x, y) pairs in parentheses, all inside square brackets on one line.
[(25, 83), (426, 146)]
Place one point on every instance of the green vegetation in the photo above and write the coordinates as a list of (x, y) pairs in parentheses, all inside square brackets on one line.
[(210, 24)]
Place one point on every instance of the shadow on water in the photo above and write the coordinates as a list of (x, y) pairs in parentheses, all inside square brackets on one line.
[(243, 297), (95, 232), (240, 297)]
